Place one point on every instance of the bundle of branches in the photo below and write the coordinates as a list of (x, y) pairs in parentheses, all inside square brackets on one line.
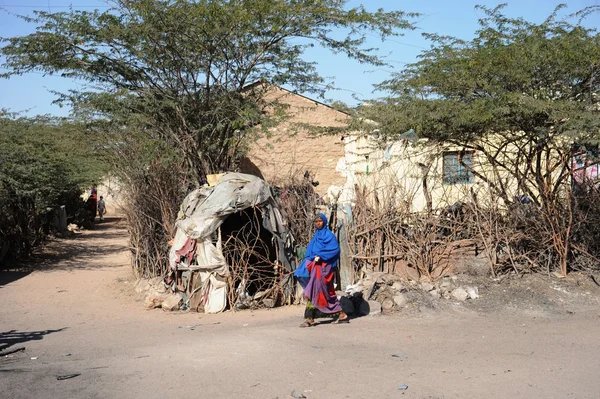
[(152, 202), (298, 203), (386, 235), (256, 277), (586, 232), (564, 232)]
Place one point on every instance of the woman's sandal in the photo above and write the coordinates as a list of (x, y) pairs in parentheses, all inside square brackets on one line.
[(307, 324), (342, 321)]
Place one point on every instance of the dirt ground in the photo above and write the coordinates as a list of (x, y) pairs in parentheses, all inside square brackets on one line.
[(75, 312)]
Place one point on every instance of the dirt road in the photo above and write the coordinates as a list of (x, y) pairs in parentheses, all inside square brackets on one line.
[(77, 314)]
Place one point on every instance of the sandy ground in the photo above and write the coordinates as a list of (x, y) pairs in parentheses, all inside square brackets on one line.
[(76, 313)]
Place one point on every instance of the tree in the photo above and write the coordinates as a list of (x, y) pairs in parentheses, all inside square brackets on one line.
[(44, 163), (180, 67), (519, 93)]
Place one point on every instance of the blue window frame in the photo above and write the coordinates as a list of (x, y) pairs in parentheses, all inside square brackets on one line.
[(458, 167)]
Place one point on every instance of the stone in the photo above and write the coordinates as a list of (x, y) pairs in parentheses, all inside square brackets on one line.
[(473, 292), (398, 286), (172, 302), (460, 294), (366, 283), (387, 304), (446, 286), (157, 284), (400, 300), (370, 308), (268, 302), (427, 287), (435, 293), (153, 301), (142, 286)]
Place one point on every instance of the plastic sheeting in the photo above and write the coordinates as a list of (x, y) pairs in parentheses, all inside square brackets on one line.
[(202, 213)]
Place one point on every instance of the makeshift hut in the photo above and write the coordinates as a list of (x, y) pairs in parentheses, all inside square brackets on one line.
[(232, 246)]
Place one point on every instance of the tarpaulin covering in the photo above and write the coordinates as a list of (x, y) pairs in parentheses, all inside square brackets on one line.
[(203, 211)]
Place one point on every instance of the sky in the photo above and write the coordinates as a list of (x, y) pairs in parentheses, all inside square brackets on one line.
[(32, 94)]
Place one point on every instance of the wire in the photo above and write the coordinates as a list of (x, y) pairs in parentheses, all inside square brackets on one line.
[(48, 5), (387, 39)]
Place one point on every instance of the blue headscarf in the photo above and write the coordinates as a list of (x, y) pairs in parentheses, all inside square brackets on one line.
[(323, 244)]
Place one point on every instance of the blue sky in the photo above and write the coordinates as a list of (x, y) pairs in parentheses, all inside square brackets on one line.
[(32, 93)]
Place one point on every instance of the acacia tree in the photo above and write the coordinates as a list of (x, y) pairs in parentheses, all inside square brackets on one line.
[(180, 67), (520, 94)]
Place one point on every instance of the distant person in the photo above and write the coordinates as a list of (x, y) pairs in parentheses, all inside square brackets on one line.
[(92, 204), (315, 275), (101, 208)]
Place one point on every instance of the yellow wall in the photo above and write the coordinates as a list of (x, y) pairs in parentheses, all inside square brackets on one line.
[(397, 169)]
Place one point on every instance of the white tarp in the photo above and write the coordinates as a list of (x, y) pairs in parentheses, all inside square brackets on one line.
[(203, 211)]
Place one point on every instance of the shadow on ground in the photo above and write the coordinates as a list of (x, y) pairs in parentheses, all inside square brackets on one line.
[(82, 251), (13, 337), (8, 276)]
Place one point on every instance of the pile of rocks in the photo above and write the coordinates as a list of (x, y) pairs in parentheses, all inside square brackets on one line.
[(385, 292), (449, 288), (157, 295)]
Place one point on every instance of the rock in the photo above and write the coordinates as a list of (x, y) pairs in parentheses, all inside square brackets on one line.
[(297, 395), (366, 284), (142, 286), (460, 294), (172, 302), (400, 300), (558, 275), (435, 293), (387, 304), (427, 287), (473, 292), (446, 286), (398, 286), (157, 284), (268, 302), (370, 308), (153, 301)]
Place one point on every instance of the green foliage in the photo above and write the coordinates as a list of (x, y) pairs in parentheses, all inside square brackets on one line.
[(182, 68), (542, 79), (44, 163), (520, 94)]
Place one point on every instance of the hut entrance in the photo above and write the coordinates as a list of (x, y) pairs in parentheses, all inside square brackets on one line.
[(251, 254)]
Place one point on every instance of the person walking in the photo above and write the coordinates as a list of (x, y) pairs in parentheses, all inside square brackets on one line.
[(315, 274), (101, 208)]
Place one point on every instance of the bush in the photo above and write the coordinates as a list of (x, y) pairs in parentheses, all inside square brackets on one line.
[(44, 163)]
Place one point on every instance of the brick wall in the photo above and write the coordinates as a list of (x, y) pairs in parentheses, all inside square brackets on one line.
[(289, 152)]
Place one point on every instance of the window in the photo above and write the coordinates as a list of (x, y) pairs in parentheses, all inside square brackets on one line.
[(458, 167)]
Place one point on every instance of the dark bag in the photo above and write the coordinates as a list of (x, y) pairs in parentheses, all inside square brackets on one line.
[(351, 304)]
